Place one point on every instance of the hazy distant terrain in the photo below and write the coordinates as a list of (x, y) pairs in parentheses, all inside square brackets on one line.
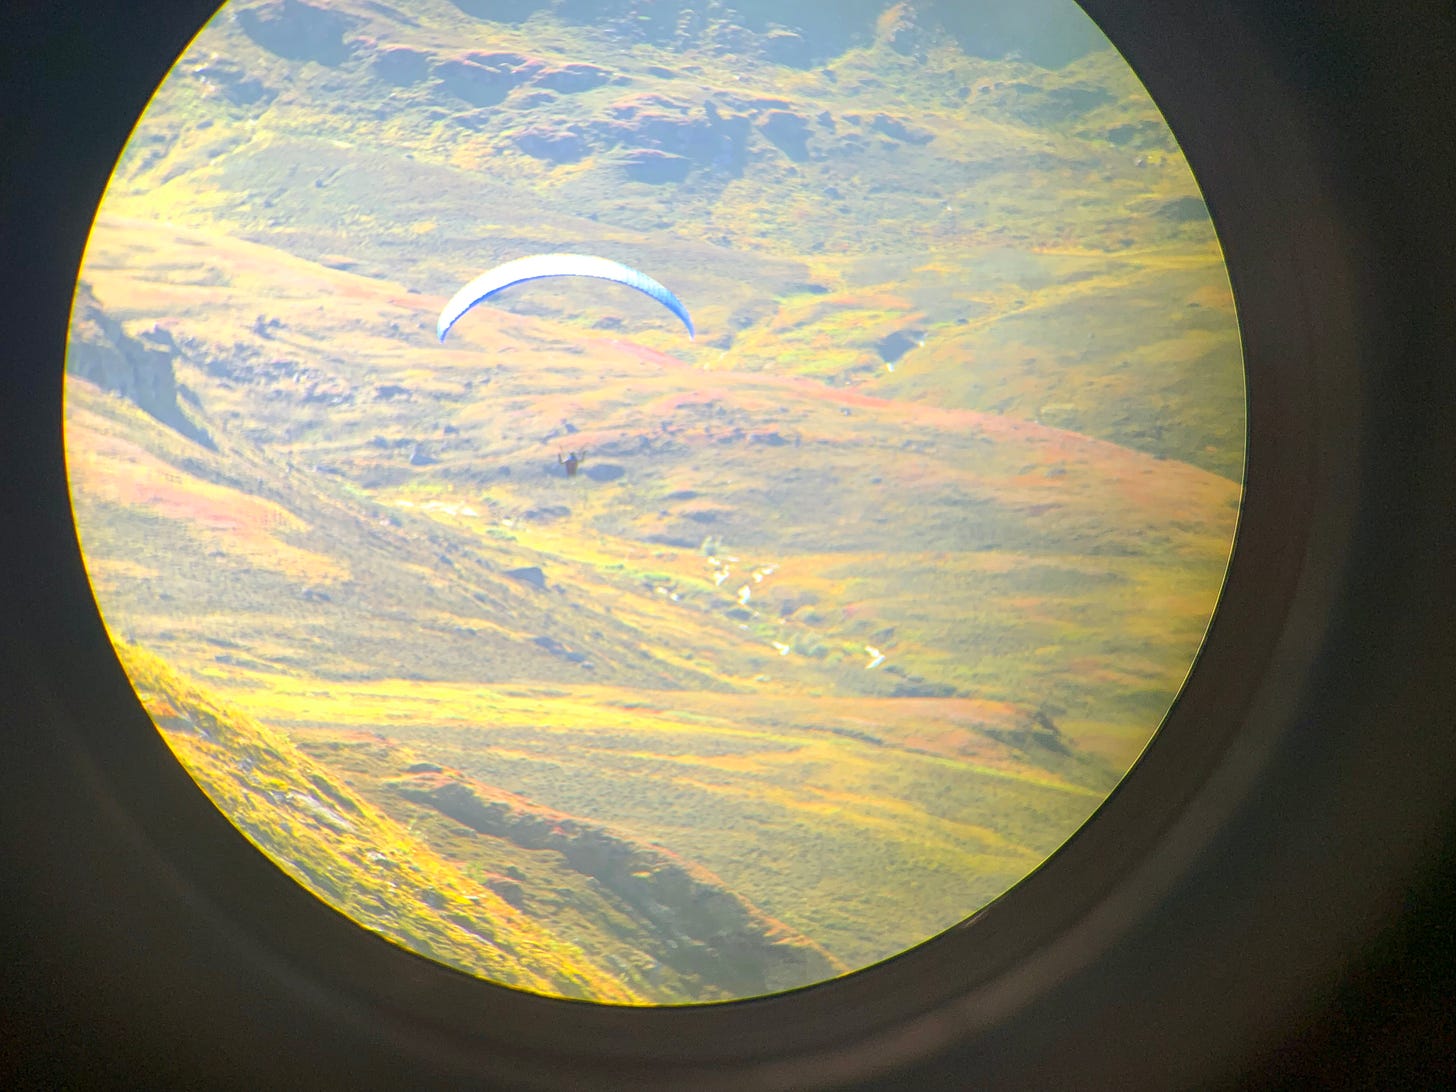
[(862, 600)]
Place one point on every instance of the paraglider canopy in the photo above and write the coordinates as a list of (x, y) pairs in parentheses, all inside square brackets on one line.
[(555, 265)]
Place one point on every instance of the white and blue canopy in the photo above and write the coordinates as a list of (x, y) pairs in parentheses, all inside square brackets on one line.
[(555, 265)]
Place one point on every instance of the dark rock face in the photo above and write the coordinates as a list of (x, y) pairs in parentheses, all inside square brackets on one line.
[(658, 139), (401, 65), (654, 167), (571, 78), (235, 84), (893, 346), (788, 48), (563, 145), (707, 930), (501, 11), (510, 890), (140, 370), (477, 84), (556, 648), (1183, 210), (787, 131), (299, 31), (896, 129), (530, 574)]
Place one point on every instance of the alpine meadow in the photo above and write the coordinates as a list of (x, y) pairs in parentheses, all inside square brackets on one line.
[(604, 661)]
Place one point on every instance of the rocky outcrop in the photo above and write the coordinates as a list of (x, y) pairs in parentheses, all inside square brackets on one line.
[(556, 144), (504, 11), (896, 129), (401, 65), (894, 345), (234, 83), (654, 167), (1183, 210), (571, 78), (787, 131), (707, 930), (138, 369), (299, 31), (531, 575), (478, 82)]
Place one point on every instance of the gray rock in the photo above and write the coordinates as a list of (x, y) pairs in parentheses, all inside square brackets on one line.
[(299, 31), (571, 78), (529, 574), (485, 79), (787, 131), (654, 167), (139, 369), (563, 145), (1183, 210), (401, 65)]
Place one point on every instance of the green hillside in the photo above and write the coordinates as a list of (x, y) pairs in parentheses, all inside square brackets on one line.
[(510, 891), (861, 602)]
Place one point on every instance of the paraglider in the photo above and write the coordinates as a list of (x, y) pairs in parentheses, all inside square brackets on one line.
[(555, 265)]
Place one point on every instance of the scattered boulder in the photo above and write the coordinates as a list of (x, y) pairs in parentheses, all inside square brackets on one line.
[(510, 890), (420, 456), (299, 31)]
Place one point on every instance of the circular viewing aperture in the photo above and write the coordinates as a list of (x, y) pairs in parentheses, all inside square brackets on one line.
[(598, 659)]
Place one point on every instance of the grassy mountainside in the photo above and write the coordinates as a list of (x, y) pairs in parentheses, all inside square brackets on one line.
[(508, 890), (861, 601), (821, 220)]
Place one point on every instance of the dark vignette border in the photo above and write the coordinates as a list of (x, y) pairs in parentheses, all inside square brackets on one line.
[(1260, 902)]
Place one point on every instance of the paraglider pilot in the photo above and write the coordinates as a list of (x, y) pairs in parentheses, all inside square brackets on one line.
[(571, 462)]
